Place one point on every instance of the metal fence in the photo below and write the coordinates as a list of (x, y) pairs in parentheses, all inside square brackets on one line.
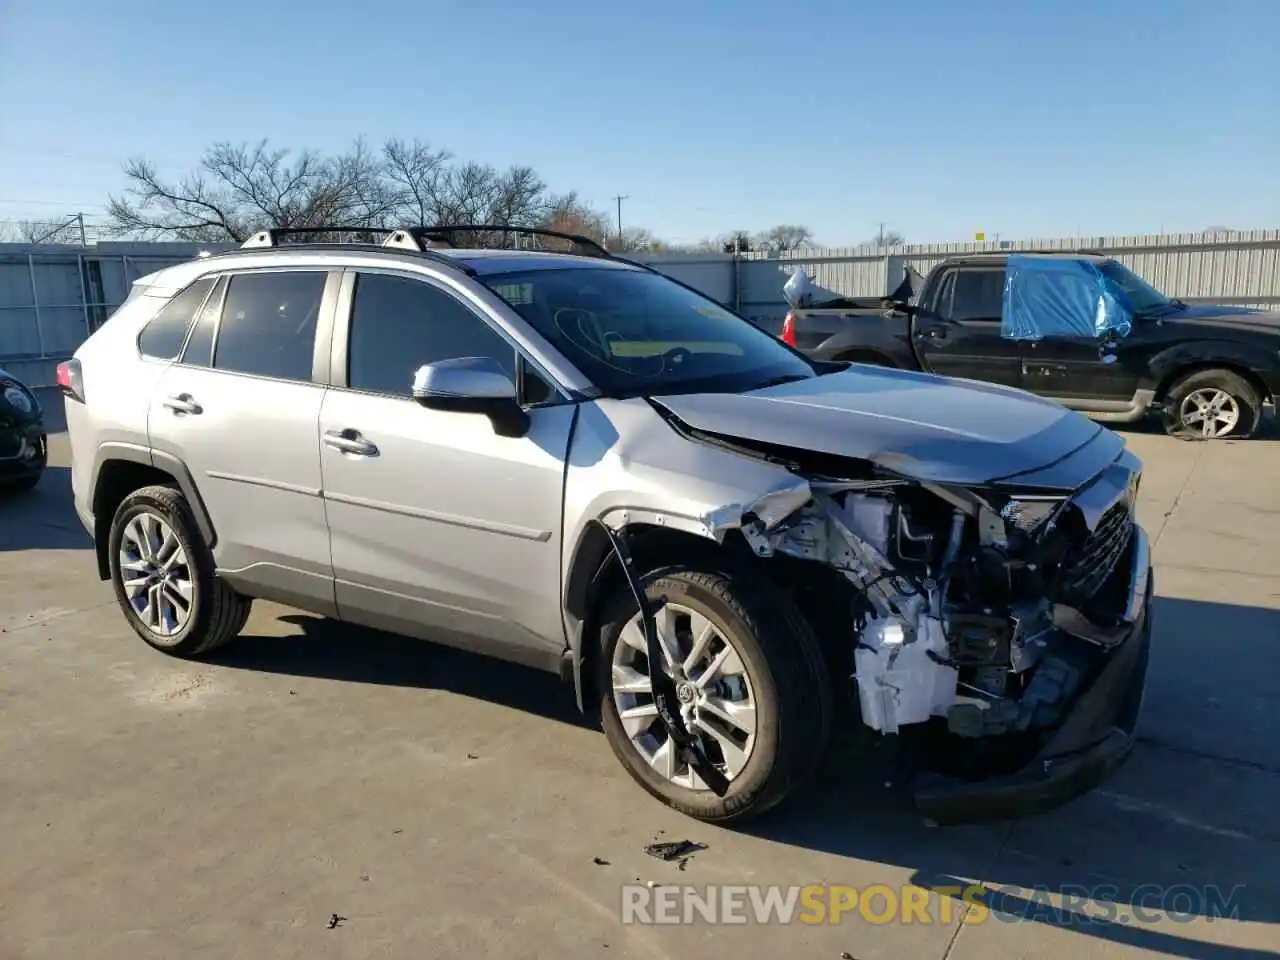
[(53, 296)]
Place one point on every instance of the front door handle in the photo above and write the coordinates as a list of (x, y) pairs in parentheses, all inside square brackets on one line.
[(933, 333), (350, 441), (183, 404), (1045, 369)]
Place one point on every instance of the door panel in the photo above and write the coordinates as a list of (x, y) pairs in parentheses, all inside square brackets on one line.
[(250, 445), (958, 334), (240, 410), (441, 529), (1070, 368)]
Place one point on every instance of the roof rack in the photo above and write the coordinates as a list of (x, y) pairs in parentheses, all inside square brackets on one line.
[(274, 236), (445, 235)]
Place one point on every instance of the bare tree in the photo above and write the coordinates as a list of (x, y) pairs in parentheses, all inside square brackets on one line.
[(887, 238), (65, 230), (784, 238)]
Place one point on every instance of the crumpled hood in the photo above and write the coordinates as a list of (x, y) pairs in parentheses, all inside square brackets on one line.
[(916, 424)]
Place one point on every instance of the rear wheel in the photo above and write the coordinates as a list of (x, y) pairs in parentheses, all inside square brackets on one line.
[(751, 683), (1212, 405), (163, 575)]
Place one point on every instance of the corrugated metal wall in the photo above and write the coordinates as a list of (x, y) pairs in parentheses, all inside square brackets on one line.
[(52, 296)]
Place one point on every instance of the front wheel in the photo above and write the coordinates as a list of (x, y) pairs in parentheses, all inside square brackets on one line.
[(751, 683), (1212, 405)]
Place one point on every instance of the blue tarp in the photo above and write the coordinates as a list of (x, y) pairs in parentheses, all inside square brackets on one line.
[(1059, 297)]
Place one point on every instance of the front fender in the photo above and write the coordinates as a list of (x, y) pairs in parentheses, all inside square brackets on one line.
[(1166, 364), (627, 467)]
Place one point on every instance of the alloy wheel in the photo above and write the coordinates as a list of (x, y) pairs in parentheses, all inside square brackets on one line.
[(1210, 412), (717, 701), (156, 575)]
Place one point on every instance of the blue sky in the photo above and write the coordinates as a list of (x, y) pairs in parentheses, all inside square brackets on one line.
[(937, 116)]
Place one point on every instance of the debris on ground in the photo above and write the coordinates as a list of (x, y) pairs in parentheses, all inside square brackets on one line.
[(846, 955), (364, 876), (335, 920), (600, 861), (675, 851), (472, 756)]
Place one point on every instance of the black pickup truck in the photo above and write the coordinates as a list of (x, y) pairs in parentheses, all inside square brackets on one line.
[(1077, 327)]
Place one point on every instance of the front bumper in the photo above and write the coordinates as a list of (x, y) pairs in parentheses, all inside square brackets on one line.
[(1094, 739), (23, 452)]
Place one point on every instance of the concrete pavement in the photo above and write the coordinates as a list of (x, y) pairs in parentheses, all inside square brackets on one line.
[(445, 805)]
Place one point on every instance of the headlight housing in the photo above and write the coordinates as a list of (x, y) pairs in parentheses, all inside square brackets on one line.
[(22, 400), (1031, 513)]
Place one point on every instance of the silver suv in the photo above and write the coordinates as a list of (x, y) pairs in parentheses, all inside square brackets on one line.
[(571, 461)]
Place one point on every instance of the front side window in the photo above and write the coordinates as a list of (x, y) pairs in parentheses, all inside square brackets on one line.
[(162, 338), (979, 295), (635, 333), (398, 324), (268, 325)]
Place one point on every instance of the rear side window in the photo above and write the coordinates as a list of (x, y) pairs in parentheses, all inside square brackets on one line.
[(162, 338), (268, 325), (199, 349), (979, 295)]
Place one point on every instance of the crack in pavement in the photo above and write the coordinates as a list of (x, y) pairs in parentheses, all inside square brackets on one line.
[(1206, 755), (1168, 517)]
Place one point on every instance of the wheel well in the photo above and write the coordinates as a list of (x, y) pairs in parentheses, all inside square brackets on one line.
[(1239, 370), (116, 480), (596, 575)]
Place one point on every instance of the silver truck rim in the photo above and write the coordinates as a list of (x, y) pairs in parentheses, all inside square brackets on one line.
[(155, 575), (1210, 412), (717, 701)]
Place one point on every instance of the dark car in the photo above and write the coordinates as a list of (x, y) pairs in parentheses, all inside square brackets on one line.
[(1079, 328), (23, 442)]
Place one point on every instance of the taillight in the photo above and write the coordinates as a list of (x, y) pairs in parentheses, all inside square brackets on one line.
[(70, 381), (789, 330)]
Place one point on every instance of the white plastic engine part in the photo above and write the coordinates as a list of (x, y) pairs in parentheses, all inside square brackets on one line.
[(898, 682), (868, 517)]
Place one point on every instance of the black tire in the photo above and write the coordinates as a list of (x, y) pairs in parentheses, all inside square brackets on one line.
[(218, 613), (1241, 391), (22, 484), (788, 676)]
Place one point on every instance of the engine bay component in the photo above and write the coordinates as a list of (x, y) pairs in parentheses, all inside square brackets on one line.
[(964, 616)]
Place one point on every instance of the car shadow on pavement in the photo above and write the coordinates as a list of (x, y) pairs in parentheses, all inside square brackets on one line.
[(40, 519), (331, 650), (1179, 831), (1185, 832)]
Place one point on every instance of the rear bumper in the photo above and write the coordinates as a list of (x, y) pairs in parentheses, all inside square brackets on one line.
[(1094, 739)]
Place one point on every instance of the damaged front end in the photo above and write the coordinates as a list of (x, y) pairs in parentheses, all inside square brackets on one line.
[(1000, 639)]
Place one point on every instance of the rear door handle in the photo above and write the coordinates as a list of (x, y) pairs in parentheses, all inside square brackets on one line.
[(183, 403), (350, 441)]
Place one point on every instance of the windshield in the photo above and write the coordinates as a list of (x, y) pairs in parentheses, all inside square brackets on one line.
[(635, 333), (1143, 298)]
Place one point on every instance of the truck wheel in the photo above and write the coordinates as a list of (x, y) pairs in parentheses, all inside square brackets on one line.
[(163, 575), (751, 681), (1212, 405)]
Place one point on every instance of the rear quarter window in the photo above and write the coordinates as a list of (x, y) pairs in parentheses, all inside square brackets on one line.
[(163, 336)]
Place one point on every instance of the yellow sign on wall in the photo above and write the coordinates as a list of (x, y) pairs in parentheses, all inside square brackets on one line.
[(979, 236)]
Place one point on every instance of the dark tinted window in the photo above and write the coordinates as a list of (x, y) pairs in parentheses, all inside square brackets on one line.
[(162, 337), (268, 324), (979, 295), (398, 324), (199, 350)]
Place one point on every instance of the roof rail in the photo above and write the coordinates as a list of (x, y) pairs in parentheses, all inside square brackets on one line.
[(444, 235), (273, 236)]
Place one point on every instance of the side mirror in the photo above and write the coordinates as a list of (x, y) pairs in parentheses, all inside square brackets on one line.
[(472, 385)]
